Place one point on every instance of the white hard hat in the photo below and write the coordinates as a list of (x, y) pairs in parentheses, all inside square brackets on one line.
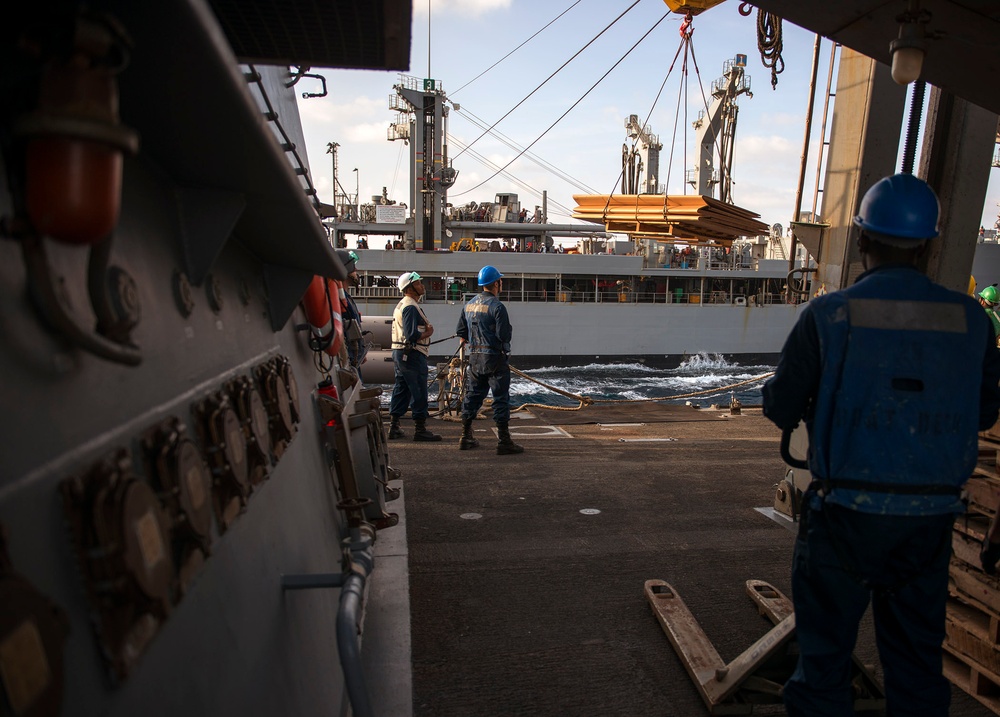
[(407, 278)]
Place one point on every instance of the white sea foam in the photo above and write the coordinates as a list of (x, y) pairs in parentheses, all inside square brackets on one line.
[(593, 367), (704, 361), (632, 381)]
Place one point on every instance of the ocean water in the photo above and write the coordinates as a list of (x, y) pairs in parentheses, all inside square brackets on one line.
[(706, 374)]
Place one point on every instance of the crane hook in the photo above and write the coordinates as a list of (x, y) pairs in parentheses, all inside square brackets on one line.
[(686, 29)]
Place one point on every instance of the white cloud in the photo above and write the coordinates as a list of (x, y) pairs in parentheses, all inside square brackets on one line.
[(781, 119), (359, 108), (369, 133), (757, 148)]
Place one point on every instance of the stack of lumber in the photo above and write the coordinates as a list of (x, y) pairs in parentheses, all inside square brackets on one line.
[(972, 644), (669, 217)]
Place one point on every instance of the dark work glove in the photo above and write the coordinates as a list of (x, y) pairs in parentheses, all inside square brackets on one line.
[(989, 556)]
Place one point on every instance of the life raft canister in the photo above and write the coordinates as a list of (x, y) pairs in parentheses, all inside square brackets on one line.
[(322, 305)]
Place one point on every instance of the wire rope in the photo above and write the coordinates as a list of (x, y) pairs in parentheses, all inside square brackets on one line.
[(573, 106), (561, 67), (516, 48), (395, 173), (519, 182), (504, 139), (715, 136), (673, 143), (648, 115)]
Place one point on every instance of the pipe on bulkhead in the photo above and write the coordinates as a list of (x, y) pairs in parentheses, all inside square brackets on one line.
[(362, 562), (359, 562)]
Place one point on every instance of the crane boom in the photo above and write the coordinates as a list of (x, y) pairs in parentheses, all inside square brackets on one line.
[(716, 132)]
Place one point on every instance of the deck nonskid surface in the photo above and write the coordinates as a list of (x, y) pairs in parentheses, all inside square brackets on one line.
[(536, 606)]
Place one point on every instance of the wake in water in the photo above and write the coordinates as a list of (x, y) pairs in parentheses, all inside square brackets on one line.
[(637, 381)]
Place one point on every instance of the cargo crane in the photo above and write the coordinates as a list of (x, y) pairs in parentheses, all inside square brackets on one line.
[(716, 132), (642, 155)]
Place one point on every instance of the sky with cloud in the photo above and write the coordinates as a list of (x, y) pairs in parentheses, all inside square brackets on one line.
[(467, 37)]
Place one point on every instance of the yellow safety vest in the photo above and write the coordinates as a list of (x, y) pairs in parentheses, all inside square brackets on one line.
[(398, 340)]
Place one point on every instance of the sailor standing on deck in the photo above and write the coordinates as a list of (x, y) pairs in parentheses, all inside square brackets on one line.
[(989, 299), (356, 347), (894, 376), (411, 334), (485, 327)]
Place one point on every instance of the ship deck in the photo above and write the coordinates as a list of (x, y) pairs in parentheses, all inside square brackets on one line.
[(536, 607)]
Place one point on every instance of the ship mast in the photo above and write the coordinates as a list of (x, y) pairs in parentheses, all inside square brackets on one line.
[(421, 119)]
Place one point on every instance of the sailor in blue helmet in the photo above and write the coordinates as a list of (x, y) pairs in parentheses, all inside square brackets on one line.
[(893, 376), (485, 327)]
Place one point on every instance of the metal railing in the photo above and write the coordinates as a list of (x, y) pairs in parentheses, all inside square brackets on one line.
[(666, 295)]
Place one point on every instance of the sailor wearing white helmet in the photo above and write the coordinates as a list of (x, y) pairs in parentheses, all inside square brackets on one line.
[(411, 334)]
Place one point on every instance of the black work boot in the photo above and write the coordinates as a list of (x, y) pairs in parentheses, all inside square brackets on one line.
[(506, 445), (421, 433), (394, 430), (468, 441)]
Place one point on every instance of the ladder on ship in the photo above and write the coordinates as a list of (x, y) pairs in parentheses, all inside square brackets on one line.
[(777, 243)]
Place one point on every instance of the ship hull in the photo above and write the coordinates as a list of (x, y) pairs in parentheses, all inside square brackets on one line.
[(658, 335)]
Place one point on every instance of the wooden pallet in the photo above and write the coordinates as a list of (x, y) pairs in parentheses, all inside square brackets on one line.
[(973, 680), (971, 652), (983, 489), (973, 586), (974, 634), (972, 623)]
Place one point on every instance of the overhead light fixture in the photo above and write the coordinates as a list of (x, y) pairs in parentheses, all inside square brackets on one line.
[(909, 48)]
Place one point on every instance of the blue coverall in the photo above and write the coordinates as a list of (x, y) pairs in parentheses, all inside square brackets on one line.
[(859, 367), (485, 325)]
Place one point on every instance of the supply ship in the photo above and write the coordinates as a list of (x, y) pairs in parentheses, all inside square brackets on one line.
[(200, 513), (651, 278)]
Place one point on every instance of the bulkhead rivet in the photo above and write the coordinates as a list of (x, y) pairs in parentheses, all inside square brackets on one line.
[(182, 294)]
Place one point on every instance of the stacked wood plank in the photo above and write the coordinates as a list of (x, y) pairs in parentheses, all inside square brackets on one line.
[(693, 218), (972, 644)]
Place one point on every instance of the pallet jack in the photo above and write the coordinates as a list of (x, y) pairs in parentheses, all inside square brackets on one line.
[(758, 675)]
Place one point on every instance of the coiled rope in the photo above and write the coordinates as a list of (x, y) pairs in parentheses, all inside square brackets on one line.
[(770, 45), (587, 400)]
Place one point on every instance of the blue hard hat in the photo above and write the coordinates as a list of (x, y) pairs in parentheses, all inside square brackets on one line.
[(487, 275), (900, 206)]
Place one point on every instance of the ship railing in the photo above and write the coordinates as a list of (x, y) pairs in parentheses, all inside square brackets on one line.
[(589, 296), (375, 292)]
